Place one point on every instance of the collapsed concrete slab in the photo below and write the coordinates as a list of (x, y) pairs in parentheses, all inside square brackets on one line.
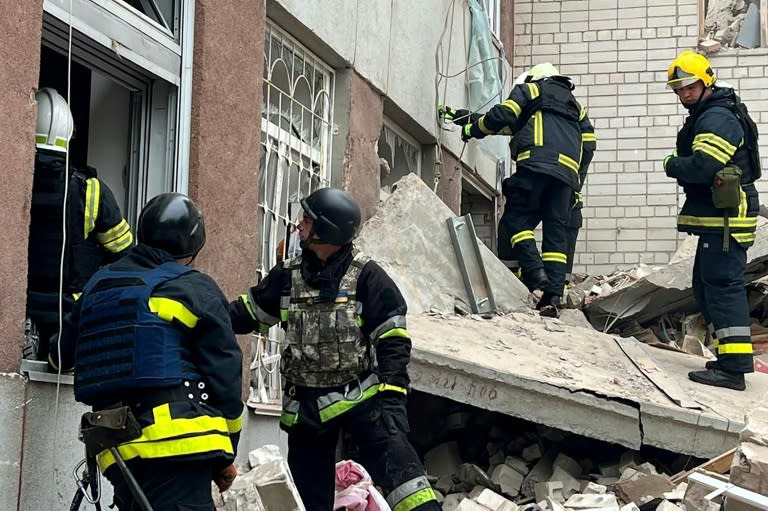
[(666, 289), (409, 238), (578, 380)]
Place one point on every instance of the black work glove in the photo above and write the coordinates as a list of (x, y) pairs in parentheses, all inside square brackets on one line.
[(393, 412), (459, 117), (466, 133)]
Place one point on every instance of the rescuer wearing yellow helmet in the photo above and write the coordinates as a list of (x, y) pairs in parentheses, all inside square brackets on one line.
[(716, 162)]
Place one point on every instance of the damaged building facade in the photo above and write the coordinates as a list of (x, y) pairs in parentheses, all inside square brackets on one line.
[(247, 109), (618, 56)]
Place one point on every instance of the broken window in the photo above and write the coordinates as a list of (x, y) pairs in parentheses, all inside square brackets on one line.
[(399, 154), (736, 23), (296, 125), (163, 12)]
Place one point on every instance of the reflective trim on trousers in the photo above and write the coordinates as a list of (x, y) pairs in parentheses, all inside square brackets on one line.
[(411, 494), (733, 331), (735, 348)]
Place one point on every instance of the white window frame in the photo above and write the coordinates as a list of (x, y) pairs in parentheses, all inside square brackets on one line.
[(149, 47), (155, 65), (492, 8), (301, 156)]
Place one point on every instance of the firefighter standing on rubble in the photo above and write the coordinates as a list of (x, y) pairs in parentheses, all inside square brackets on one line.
[(96, 232), (347, 348), (152, 334), (553, 143), (716, 162)]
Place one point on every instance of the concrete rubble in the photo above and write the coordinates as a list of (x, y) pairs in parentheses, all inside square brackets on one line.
[(418, 253), (265, 485), (480, 379), (724, 19), (749, 468), (646, 293)]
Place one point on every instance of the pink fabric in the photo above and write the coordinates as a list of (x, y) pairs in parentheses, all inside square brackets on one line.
[(355, 490)]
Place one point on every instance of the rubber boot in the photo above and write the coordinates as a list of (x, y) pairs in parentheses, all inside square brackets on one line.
[(549, 306), (719, 378), (536, 279)]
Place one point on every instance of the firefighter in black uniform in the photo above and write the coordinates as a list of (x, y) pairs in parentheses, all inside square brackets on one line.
[(553, 142), (716, 162), (151, 333), (347, 348), (96, 232)]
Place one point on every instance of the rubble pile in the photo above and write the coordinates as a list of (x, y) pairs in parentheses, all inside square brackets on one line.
[(724, 20), (264, 485), (655, 304), (480, 461)]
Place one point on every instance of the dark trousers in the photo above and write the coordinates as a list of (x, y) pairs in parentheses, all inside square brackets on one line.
[(388, 457), (533, 198), (43, 309), (575, 222), (168, 485), (719, 289)]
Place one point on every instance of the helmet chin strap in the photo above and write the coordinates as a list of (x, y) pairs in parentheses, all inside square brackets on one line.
[(694, 105), (312, 240)]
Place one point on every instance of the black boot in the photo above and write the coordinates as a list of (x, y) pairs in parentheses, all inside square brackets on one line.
[(535, 279), (719, 378), (712, 364), (549, 306)]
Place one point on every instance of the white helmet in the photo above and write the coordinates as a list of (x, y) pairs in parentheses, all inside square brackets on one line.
[(54, 121), (543, 70), (521, 78)]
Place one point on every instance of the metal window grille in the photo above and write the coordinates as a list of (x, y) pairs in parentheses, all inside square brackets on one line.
[(296, 124)]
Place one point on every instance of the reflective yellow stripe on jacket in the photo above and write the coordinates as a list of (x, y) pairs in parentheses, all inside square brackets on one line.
[(117, 238), (92, 198), (170, 436)]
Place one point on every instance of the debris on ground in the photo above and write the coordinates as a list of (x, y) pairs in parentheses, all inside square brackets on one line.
[(265, 484), (724, 20)]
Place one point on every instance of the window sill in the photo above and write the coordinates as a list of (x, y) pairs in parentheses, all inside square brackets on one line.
[(37, 370), (270, 409)]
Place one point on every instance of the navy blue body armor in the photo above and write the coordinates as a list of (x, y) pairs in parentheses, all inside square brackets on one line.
[(124, 347)]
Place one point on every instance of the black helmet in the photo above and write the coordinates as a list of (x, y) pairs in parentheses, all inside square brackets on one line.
[(172, 222), (334, 213)]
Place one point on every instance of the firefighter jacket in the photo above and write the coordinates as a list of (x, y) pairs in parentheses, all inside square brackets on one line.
[(714, 135), (551, 131), (358, 308), (96, 233), (186, 396)]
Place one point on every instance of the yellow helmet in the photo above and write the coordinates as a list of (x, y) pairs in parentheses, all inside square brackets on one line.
[(687, 68)]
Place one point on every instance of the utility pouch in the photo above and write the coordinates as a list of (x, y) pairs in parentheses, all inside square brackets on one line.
[(726, 189), (726, 195), (104, 429)]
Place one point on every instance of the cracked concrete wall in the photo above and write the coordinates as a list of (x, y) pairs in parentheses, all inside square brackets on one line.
[(360, 165), (449, 186)]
